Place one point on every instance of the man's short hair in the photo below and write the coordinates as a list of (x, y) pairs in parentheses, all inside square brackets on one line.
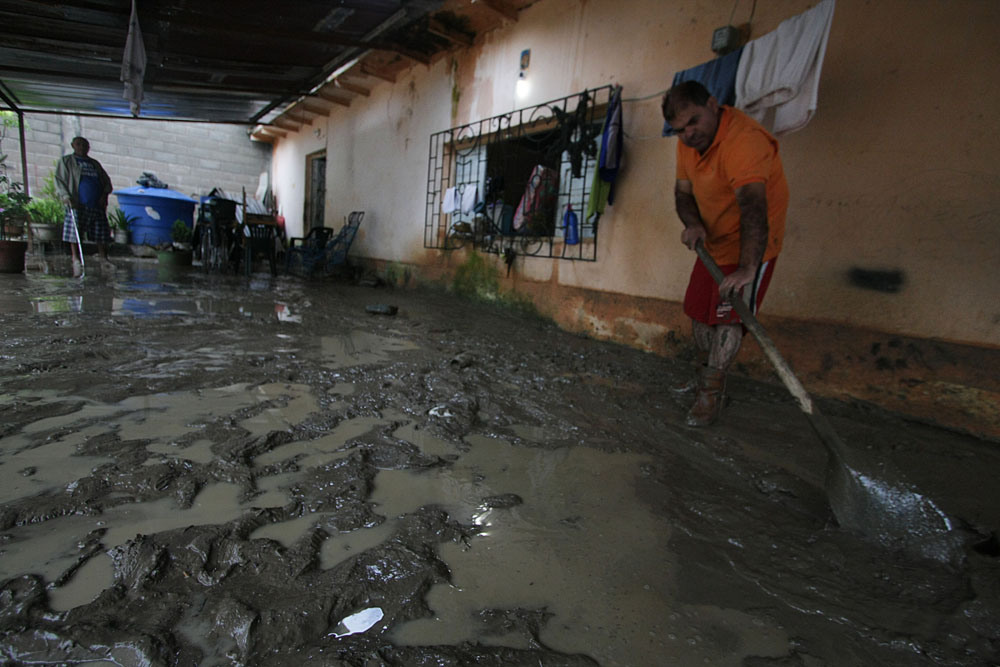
[(682, 95)]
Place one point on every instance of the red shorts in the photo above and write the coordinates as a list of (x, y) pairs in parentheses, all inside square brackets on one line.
[(702, 302)]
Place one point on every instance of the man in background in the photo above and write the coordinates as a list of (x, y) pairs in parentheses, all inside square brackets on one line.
[(84, 186)]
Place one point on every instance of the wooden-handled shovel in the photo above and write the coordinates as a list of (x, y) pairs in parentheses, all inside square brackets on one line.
[(861, 499)]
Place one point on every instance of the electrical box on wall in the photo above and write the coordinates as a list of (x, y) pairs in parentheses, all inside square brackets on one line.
[(729, 38)]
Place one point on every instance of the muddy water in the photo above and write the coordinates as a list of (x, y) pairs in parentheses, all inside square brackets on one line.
[(205, 470)]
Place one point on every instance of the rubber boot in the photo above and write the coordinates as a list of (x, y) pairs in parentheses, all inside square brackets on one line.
[(687, 387), (710, 398)]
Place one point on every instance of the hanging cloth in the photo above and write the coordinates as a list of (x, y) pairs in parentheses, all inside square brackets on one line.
[(470, 197), (718, 75), (602, 191), (781, 70), (535, 213), (133, 64), (448, 204)]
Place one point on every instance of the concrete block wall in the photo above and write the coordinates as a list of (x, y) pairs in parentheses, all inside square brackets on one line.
[(191, 158)]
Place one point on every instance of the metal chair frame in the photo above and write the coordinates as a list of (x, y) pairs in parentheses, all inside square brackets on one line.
[(322, 251)]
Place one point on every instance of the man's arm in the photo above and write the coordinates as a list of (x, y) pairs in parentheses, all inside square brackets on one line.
[(62, 179), (752, 200), (687, 211)]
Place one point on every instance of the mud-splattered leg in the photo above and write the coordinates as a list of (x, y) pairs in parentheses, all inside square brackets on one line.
[(702, 335), (725, 343)]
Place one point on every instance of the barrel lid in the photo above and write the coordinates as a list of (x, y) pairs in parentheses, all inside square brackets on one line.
[(164, 193)]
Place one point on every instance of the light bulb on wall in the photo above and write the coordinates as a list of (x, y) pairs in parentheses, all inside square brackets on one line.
[(523, 86)]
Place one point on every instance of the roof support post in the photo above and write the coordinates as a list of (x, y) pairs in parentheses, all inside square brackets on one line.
[(20, 132)]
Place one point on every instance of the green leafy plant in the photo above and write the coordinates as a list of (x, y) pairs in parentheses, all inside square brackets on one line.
[(13, 202), (119, 219), (49, 186), (43, 210), (180, 233)]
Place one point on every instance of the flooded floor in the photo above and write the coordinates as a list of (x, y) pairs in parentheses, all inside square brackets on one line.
[(215, 470)]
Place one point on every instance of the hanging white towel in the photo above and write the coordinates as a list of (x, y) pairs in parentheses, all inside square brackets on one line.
[(449, 205), (469, 197), (133, 64), (781, 69)]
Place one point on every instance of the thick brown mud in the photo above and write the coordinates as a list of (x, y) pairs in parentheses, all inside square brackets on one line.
[(212, 470)]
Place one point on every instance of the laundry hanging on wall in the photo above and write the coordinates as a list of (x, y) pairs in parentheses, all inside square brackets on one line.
[(780, 70), (470, 197), (775, 78), (448, 203), (535, 213), (609, 161), (718, 76)]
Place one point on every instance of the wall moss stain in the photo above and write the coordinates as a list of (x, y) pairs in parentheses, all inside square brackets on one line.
[(476, 279)]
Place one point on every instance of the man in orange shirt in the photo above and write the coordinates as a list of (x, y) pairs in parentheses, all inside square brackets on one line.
[(731, 194)]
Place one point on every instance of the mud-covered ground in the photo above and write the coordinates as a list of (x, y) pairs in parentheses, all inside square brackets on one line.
[(208, 470)]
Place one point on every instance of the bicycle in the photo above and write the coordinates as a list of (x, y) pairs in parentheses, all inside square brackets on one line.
[(219, 246), (486, 234)]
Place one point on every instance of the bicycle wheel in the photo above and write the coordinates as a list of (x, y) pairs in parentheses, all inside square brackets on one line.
[(207, 249), (456, 239), (531, 245)]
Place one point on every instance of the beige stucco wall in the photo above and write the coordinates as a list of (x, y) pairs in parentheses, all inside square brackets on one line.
[(895, 172)]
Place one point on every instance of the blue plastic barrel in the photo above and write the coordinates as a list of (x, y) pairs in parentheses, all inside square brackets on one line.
[(155, 210)]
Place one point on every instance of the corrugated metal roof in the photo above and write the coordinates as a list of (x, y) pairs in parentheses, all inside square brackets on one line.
[(240, 61)]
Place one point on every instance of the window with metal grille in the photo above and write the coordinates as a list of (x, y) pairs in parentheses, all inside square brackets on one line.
[(507, 184)]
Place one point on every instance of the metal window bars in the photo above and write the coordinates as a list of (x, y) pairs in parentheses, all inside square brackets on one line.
[(503, 185)]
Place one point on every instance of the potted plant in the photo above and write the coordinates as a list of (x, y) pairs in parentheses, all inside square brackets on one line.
[(46, 215), (13, 210), (119, 222), (13, 214), (179, 253), (46, 212)]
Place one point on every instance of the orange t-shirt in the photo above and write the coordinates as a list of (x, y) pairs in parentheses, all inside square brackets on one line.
[(742, 152)]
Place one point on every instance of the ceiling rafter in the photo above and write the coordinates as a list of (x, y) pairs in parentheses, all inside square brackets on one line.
[(502, 8), (329, 97), (437, 27), (351, 87)]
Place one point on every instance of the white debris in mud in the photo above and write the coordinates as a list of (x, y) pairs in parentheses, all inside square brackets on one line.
[(358, 622)]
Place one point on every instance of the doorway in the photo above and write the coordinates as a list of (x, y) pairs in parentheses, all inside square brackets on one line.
[(315, 189)]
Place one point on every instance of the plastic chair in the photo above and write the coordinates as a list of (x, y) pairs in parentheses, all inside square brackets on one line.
[(259, 240), (338, 246), (321, 252), (303, 252)]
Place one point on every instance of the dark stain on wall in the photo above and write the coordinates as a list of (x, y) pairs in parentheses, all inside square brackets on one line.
[(880, 281)]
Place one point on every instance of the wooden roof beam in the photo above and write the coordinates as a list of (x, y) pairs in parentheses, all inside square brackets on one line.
[(271, 130), (501, 7), (316, 105), (413, 55), (352, 87), (322, 94), (286, 123), (436, 27), (378, 73)]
